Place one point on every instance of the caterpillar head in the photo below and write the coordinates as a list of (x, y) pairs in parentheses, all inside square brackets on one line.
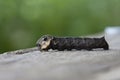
[(44, 42)]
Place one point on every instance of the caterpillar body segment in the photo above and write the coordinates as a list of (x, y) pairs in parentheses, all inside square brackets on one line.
[(47, 42)]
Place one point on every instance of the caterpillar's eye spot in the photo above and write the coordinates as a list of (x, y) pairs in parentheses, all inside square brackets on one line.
[(45, 39)]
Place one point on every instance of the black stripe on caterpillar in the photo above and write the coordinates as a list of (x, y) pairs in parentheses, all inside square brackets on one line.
[(47, 42)]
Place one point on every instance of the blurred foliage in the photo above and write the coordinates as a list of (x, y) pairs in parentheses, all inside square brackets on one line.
[(22, 22)]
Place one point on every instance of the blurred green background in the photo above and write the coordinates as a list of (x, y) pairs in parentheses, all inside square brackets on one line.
[(22, 22)]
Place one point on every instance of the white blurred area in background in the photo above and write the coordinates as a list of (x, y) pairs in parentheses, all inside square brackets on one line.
[(112, 30), (112, 34)]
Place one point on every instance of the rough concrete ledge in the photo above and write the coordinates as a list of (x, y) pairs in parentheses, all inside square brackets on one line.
[(62, 65)]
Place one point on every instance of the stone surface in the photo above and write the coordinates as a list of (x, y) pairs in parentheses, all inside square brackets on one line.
[(63, 65)]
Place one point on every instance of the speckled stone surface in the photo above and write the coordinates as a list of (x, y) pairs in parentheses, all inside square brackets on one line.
[(63, 65)]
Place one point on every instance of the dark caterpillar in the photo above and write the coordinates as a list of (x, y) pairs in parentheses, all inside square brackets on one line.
[(47, 42)]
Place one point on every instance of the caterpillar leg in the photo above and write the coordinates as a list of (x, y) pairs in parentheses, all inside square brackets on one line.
[(106, 48), (89, 49), (60, 49)]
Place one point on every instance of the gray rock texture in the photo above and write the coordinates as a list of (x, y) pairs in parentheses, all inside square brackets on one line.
[(63, 65)]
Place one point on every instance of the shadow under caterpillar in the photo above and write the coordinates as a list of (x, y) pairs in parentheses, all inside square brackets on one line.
[(47, 42)]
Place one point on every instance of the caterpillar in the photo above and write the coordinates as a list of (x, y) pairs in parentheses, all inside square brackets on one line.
[(47, 42)]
